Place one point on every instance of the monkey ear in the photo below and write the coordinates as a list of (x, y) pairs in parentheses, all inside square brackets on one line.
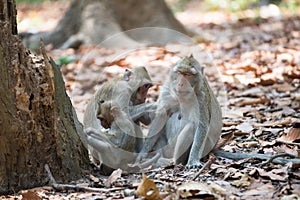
[(127, 74), (143, 67), (202, 67), (115, 110)]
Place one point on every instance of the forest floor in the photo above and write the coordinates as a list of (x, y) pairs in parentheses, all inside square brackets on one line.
[(257, 61)]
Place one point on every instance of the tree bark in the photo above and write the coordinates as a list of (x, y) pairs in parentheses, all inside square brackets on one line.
[(90, 22), (38, 123)]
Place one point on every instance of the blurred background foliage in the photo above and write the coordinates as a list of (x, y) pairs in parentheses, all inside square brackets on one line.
[(213, 5), (232, 5)]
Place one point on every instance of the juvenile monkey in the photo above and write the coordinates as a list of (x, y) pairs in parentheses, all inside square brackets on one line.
[(188, 119), (112, 117)]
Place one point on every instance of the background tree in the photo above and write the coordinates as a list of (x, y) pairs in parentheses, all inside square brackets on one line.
[(38, 123), (90, 22)]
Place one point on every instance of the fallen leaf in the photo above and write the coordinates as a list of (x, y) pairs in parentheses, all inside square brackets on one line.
[(113, 177), (264, 143), (244, 182), (287, 149), (259, 189), (232, 113), (290, 197), (245, 127), (94, 178), (250, 101), (267, 79), (30, 195), (252, 92), (247, 144), (225, 138), (293, 135), (148, 189), (275, 174), (275, 123), (285, 87), (195, 189)]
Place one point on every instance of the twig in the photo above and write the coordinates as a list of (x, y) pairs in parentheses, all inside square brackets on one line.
[(275, 156), (239, 156), (62, 187), (205, 166)]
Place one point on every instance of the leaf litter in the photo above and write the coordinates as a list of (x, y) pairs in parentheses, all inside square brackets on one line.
[(259, 63)]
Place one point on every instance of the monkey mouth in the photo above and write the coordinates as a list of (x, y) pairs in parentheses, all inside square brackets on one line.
[(141, 93)]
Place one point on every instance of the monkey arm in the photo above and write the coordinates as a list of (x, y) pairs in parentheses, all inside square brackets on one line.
[(142, 112), (198, 146), (122, 121)]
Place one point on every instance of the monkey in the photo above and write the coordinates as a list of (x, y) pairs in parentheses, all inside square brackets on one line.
[(188, 119), (112, 117)]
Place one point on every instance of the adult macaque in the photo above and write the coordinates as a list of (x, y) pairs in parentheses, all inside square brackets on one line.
[(112, 117), (188, 119)]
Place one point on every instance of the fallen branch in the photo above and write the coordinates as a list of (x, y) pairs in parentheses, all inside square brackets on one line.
[(205, 166), (63, 187), (239, 156)]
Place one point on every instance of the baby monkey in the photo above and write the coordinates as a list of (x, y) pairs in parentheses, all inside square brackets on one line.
[(188, 119), (112, 117)]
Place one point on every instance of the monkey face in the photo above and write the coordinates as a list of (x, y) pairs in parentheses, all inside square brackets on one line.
[(140, 79), (141, 94)]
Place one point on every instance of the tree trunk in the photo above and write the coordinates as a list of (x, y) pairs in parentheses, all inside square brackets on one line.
[(38, 123), (90, 22)]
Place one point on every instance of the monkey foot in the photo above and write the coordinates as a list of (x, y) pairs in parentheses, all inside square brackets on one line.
[(194, 166)]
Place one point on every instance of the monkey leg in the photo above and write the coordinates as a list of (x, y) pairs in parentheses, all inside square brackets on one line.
[(156, 129), (110, 156), (183, 143)]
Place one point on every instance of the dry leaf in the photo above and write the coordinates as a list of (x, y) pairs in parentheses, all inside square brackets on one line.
[(250, 101), (30, 195), (243, 182), (275, 123), (285, 87), (264, 143), (233, 113), (287, 149), (275, 174), (225, 138), (252, 92), (260, 189), (245, 127), (148, 189), (247, 144), (293, 135), (194, 189), (94, 178), (113, 177)]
